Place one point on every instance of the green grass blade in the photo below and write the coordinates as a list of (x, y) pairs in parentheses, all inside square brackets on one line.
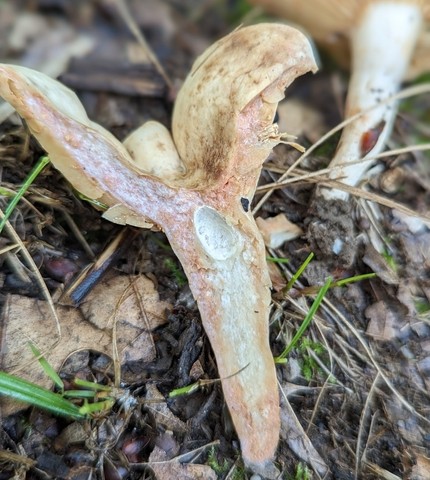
[(278, 260), (306, 321), (24, 391), (47, 368), (92, 385), (40, 165), (92, 201), (177, 392), (79, 394), (97, 407), (298, 273), (356, 278)]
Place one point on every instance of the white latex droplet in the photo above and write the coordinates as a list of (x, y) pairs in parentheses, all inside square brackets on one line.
[(218, 239)]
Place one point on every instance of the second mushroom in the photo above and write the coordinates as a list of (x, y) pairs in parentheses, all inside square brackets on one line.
[(388, 42), (197, 187)]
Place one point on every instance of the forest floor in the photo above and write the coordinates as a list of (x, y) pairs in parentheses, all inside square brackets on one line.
[(355, 390)]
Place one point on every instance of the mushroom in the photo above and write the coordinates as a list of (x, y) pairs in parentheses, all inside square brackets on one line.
[(197, 188), (382, 36)]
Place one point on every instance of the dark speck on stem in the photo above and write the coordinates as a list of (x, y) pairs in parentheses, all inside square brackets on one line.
[(245, 204)]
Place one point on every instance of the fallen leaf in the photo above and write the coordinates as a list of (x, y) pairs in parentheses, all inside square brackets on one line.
[(299, 442), (166, 469), (412, 429), (385, 323), (421, 469), (278, 280), (131, 303), (414, 224), (162, 413), (416, 248), (134, 305), (277, 230), (48, 44), (297, 118), (380, 266)]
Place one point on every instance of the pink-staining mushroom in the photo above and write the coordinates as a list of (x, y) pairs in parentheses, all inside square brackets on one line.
[(196, 187), (387, 42)]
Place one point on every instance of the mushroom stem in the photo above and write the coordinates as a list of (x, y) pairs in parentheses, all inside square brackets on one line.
[(382, 44), (222, 254)]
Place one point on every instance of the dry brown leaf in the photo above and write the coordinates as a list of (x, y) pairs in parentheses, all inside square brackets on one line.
[(276, 277), (277, 230), (197, 371), (416, 248), (297, 118), (156, 15), (380, 266), (424, 368), (385, 323), (161, 412), (8, 12), (166, 469), (414, 224), (299, 442), (133, 303), (411, 429), (420, 471), (27, 319), (48, 44)]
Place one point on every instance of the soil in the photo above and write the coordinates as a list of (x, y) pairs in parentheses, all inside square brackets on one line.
[(357, 385)]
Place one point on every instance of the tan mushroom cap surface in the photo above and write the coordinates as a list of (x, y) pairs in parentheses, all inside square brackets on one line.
[(330, 22), (219, 102)]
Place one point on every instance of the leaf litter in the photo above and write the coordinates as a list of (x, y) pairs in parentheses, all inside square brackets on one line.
[(375, 334)]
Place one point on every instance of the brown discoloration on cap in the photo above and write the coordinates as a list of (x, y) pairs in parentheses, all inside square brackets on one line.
[(222, 84)]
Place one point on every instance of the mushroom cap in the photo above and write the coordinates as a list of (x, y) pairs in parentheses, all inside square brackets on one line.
[(330, 23), (228, 101)]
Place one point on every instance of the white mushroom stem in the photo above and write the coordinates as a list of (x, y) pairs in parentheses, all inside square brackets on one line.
[(382, 44), (197, 189)]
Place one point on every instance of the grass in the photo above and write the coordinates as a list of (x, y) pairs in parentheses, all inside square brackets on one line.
[(187, 390), (340, 283), (308, 364), (177, 392), (278, 260), (389, 258), (27, 392), (47, 368), (298, 273), (223, 468), (176, 272), (422, 306), (35, 171), (306, 321), (60, 403), (220, 467), (302, 473)]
